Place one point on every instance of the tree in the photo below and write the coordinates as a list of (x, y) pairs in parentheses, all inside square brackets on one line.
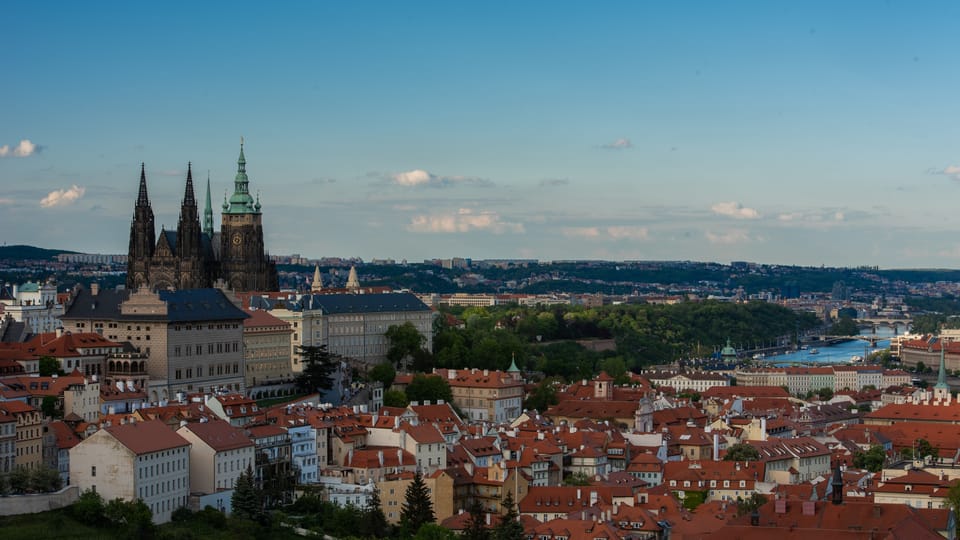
[(49, 366), (405, 341), (19, 479), (318, 368), (45, 480), (429, 387), (49, 407), (741, 452), (89, 508), (417, 507), (476, 524), (374, 521), (924, 449), (846, 326), (509, 528), (871, 460), (576, 479), (4, 485), (432, 531), (543, 396), (383, 372), (825, 393), (132, 517), (245, 500), (395, 398), (750, 504)]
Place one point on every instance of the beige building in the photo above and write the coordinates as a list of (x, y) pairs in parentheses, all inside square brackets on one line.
[(138, 460), (29, 432), (485, 395), (267, 351), (219, 454), (192, 339), (83, 400), (393, 490), (8, 441), (350, 325)]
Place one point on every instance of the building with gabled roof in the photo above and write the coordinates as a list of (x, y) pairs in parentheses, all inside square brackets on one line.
[(136, 460), (219, 454)]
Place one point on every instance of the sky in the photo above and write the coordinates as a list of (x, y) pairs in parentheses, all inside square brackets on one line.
[(810, 133)]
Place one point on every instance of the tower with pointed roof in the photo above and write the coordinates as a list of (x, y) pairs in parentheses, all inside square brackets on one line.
[(142, 237), (194, 255), (353, 282), (244, 264), (317, 284), (941, 391)]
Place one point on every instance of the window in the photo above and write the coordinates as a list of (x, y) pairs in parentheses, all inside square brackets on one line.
[(93, 470)]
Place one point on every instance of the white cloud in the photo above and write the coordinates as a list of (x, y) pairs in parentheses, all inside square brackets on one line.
[(24, 148), (581, 232), (554, 182), (422, 178), (617, 232), (463, 220), (6, 200), (818, 218), (619, 144), (734, 210), (729, 237), (63, 197), (626, 232)]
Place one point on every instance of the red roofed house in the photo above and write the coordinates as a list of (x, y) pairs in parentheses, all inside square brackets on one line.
[(138, 460), (219, 454)]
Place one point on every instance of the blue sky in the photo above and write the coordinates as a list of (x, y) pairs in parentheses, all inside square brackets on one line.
[(779, 132)]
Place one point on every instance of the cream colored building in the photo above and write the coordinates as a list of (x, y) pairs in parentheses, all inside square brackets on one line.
[(267, 349), (83, 400), (192, 339), (29, 433), (393, 493), (485, 395), (35, 304), (219, 454), (349, 325), (137, 460)]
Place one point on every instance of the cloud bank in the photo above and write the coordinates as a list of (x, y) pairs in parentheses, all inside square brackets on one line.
[(422, 178), (734, 210), (620, 144), (463, 220), (63, 197), (24, 148)]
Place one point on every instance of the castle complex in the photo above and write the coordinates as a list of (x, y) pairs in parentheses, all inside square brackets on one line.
[(194, 256)]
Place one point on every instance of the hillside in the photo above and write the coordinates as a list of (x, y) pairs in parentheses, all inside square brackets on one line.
[(22, 253)]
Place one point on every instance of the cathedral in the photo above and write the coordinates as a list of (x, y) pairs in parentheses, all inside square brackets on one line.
[(194, 256)]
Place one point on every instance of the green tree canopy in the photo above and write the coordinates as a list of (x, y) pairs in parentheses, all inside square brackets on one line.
[(49, 366), (429, 387), (405, 342), (319, 367), (383, 372), (871, 460), (741, 452), (509, 527), (374, 523), (846, 326), (417, 508), (245, 500), (395, 398), (476, 528)]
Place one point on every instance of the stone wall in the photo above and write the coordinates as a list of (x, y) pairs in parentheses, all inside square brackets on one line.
[(31, 504)]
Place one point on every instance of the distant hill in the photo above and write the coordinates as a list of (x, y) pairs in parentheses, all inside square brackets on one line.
[(23, 253)]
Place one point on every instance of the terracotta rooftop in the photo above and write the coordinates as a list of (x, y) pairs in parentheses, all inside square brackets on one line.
[(146, 437)]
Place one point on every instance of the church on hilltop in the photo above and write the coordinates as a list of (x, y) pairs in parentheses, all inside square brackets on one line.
[(194, 256)]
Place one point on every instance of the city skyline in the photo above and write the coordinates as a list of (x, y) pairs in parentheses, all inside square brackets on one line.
[(787, 134)]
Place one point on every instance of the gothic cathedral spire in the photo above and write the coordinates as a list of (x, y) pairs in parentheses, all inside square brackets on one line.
[(142, 237), (241, 202), (142, 198), (208, 212)]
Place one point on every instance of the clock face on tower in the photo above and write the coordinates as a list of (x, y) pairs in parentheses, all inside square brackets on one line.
[(237, 239)]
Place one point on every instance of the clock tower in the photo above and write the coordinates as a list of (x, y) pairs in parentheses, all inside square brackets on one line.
[(243, 262)]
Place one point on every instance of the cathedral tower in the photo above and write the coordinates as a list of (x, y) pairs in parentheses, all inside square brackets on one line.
[(243, 261), (189, 247), (142, 237)]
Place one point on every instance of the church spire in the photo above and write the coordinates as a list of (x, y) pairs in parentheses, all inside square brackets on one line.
[(208, 212), (353, 283), (241, 202), (188, 197), (142, 198), (942, 390)]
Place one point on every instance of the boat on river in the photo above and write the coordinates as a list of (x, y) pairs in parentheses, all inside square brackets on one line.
[(814, 351)]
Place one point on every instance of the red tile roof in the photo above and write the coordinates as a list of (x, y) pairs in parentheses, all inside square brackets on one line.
[(146, 437), (219, 435)]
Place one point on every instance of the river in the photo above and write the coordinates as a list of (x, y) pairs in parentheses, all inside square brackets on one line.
[(840, 353)]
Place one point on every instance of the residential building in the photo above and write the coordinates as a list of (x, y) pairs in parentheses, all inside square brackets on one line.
[(267, 349), (29, 429), (35, 304), (219, 454), (138, 460), (482, 395), (8, 440)]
